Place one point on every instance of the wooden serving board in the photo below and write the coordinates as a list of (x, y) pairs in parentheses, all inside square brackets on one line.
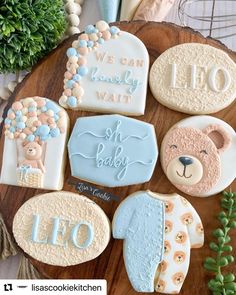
[(46, 79)]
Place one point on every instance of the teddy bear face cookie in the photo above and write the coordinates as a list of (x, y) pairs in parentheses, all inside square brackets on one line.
[(33, 127), (107, 71), (196, 156)]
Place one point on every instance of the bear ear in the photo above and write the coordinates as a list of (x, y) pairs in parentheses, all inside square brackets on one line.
[(219, 136), (24, 143)]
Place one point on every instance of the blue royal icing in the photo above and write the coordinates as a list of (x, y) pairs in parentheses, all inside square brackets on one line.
[(112, 150), (139, 220)]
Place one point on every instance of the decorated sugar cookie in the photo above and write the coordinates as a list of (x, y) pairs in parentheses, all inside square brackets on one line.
[(158, 231), (197, 155), (36, 130), (107, 71), (112, 150), (61, 228), (194, 78)]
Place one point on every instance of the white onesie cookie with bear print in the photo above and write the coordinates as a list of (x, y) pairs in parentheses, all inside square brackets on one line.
[(197, 155)]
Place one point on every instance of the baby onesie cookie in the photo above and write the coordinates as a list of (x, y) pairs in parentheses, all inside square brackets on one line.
[(112, 150), (197, 155), (61, 228), (194, 78), (33, 128), (107, 71), (158, 231)]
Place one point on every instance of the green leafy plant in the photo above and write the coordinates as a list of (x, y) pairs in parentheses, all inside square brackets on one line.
[(29, 29), (223, 283)]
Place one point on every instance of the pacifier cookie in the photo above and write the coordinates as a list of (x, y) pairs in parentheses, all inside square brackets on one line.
[(194, 78), (61, 228), (33, 128), (112, 150), (158, 231), (107, 71), (197, 155)]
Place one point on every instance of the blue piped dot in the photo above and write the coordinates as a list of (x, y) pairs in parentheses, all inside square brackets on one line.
[(72, 101), (70, 84), (90, 29), (55, 132), (52, 106), (10, 111), (20, 125), (32, 109), (82, 71), (82, 43), (71, 52), (44, 109), (7, 121), (77, 77), (44, 138), (12, 129), (56, 117), (90, 43), (30, 137), (101, 40), (43, 130), (114, 30), (18, 119), (18, 113)]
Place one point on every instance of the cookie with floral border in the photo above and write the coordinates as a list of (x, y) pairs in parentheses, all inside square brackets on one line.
[(107, 71)]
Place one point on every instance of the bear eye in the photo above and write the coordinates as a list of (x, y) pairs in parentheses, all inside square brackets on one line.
[(204, 152), (173, 146)]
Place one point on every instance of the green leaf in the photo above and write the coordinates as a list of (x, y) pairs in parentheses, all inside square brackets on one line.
[(228, 278), (220, 278), (210, 267), (218, 232), (210, 260), (227, 248), (230, 258), (232, 224), (214, 247), (221, 240), (230, 286), (224, 221), (223, 261)]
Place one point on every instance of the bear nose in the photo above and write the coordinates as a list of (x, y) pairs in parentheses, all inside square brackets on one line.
[(186, 161)]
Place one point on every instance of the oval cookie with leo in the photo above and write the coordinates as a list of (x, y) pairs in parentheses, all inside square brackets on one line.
[(194, 78), (61, 228)]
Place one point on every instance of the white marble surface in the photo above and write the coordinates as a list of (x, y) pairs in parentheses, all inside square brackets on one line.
[(90, 14)]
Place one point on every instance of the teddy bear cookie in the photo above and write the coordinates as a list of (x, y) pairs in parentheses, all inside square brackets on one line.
[(194, 78), (107, 71), (33, 128), (112, 150), (61, 228), (158, 231), (197, 155)]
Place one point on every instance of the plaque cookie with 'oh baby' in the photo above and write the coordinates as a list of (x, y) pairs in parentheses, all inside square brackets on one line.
[(194, 78), (106, 71)]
